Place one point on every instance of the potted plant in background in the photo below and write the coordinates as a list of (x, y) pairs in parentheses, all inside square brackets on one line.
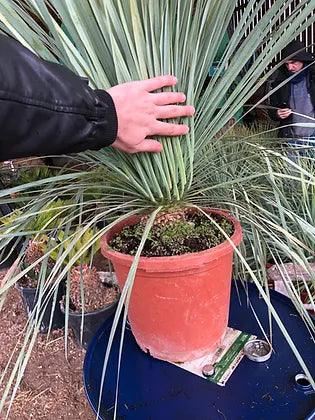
[(113, 42), (13, 174), (30, 285), (92, 295), (37, 298), (291, 277)]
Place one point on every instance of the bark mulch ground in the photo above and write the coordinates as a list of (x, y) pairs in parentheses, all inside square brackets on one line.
[(52, 387)]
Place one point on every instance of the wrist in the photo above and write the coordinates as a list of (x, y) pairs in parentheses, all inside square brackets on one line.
[(106, 127)]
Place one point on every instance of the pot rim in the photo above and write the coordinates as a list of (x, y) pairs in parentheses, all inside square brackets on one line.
[(19, 287), (215, 252), (90, 313)]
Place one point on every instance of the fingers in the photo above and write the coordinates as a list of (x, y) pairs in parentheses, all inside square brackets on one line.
[(140, 113), (146, 145), (168, 98), (284, 113), (157, 82), (150, 145), (173, 111), (167, 129)]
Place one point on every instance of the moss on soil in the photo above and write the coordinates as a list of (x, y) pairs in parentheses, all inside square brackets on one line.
[(193, 232)]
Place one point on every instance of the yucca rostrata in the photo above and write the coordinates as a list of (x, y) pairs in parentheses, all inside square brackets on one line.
[(167, 216)]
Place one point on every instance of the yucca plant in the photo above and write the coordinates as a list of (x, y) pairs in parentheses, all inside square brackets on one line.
[(118, 41), (296, 199), (303, 206)]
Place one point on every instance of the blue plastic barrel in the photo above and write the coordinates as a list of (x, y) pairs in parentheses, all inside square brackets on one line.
[(156, 390)]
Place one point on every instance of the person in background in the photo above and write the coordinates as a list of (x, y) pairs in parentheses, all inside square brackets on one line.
[(295, 96), (45, 109)]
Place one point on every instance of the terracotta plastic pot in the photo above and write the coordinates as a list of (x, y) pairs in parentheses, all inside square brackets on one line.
[(179, 305)]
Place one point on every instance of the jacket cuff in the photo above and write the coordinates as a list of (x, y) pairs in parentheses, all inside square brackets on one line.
[(106, 126)]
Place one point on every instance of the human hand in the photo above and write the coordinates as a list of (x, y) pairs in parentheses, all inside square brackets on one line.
[(139, 112), (284, 113)]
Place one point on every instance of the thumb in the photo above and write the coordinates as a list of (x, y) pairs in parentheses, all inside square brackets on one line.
[(150, 145)]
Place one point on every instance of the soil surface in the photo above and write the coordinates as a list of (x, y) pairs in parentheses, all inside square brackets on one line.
[(174, 233), (97, 293), (52, 386)]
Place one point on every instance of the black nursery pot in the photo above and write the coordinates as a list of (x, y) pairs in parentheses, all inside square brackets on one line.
[(11, 251), (7, 256), (92, 322), (30, 298)]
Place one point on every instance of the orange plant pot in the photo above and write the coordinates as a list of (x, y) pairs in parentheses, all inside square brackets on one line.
[(179, 305)]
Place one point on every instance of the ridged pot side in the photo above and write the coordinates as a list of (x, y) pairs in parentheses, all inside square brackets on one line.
[(179, 305)]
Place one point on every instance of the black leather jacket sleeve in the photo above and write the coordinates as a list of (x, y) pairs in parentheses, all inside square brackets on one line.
[(46, 109)]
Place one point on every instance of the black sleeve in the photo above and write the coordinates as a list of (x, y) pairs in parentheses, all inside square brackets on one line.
[(46, 109), (274, 102), (281, 95)]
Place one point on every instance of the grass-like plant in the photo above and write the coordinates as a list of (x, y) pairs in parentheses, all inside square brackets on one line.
[(115, 41)]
